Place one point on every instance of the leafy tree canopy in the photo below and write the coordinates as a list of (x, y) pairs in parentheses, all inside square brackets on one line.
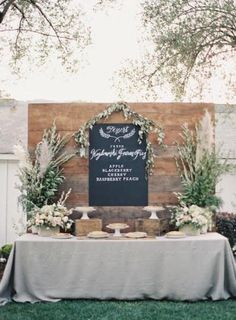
[(190, 39), (34, 29)]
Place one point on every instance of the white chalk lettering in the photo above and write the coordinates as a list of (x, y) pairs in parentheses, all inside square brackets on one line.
[(117, 153), (116, 131)]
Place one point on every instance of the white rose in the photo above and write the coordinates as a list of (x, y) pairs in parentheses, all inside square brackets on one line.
[(185, 209), (68, 225)]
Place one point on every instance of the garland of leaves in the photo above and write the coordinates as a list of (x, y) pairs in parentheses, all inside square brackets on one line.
[(146, 126)]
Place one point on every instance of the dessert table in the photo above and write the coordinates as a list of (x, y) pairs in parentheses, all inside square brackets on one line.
[(191, 268)]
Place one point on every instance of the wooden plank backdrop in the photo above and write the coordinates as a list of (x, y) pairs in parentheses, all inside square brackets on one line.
[(163, 183)]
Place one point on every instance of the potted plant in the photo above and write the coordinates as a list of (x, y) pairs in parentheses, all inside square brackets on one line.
[(41, 174), (200, 167)]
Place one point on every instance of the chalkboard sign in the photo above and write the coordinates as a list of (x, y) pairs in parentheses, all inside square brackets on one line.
[(117, 166)]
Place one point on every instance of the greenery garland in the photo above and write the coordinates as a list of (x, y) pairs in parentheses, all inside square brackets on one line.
[(146, 126)]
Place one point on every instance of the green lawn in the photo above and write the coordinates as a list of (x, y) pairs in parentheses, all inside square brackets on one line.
[(120, 310)]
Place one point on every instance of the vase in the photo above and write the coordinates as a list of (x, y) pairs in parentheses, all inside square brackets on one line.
[(190, 230), (203, 229), (34, 230), (44, 231)]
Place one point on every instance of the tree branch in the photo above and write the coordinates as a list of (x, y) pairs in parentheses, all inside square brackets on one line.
[(22, 13), (5, 9), (37, 32), (1, 3), (33, 2), (19, 32)]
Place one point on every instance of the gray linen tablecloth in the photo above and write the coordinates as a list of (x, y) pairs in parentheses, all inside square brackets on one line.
[(192, 268)]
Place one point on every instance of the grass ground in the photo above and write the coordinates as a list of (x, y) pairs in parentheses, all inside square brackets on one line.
[(120, 310)]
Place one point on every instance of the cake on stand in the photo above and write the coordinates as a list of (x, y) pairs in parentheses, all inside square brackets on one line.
[(153, 210), (85, 211), (117, 227)]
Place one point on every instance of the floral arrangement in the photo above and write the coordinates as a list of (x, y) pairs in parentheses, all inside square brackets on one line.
[(40, 174), (146, 126), (195, 216), (199, 165), (52, 215)]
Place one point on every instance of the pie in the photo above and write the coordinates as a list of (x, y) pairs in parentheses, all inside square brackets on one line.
[(136, 235), (98, 234), (175, 234)]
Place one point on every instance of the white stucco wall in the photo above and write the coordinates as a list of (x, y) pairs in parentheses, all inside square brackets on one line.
[(225, 137), (13, 124), (13, 129)]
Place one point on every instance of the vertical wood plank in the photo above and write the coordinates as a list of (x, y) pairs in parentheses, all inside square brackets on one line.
[(71, 116)]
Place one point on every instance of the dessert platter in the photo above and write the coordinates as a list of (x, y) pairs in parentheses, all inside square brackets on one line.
[(98, 235), (117, 227), (85, 211), (136, 235), (175, 235), (153, 210)]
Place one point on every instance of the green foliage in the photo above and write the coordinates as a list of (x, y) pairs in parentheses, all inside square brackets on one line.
[(6, 250), (189, 35), (200, 190), (40, 179), (146, 126), (198, 176), (226, 225), (36, 30), (39, 191), (187, 41)]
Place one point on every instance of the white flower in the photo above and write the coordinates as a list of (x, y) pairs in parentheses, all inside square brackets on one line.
[(68, 225), (52, 216), (185, 209), (57, 213), (82, 152), (193, 215)]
